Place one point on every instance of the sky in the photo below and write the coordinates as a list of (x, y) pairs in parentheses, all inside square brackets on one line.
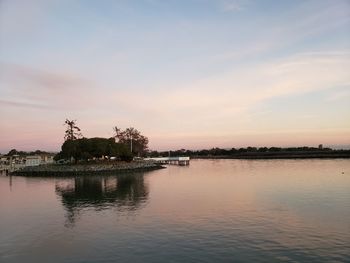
[(188, 74)]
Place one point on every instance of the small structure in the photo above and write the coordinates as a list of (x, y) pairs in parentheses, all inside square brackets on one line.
[(33, 160), (171, 160), (3, 160), (47, 159)]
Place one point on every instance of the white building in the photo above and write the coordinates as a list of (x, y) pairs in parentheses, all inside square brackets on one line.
[(3, 160), (47, 159), (33, 160)]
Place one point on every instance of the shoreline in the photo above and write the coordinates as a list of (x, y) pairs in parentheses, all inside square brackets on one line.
[(263, 156), (61, 170)]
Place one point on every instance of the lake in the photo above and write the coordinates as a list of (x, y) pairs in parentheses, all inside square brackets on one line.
[(209, 211)]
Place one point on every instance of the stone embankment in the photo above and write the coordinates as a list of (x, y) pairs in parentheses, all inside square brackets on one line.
[(87, 169)]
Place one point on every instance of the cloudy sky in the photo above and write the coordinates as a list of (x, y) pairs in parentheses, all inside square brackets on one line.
[(187, 74)]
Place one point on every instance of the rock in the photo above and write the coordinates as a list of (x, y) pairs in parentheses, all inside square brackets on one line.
[(85, 169)]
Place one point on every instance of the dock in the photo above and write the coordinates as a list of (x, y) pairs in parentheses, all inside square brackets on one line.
[(10, 168), (183, 160)]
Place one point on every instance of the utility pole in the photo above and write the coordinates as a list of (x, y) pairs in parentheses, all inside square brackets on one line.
[(131, 144)]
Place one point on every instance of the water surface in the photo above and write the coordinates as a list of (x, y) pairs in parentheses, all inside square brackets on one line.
[(211, 211)]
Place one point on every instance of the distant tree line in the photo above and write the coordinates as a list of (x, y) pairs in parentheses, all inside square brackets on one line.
[(23, 153), (125, 144), (248, 151)]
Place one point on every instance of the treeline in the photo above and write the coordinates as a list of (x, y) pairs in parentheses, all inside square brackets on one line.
[(23, 153), (89, 148), (248, 151)]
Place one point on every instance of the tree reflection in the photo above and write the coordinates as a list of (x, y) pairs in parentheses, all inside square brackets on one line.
[(123, 192)]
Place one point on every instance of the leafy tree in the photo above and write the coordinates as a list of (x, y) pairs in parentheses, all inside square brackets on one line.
[(12, 152), (131, 137), (116, 131), (263, 149), (88, 148), (73, 131), (275, 149), (70, 148), (251, 149)]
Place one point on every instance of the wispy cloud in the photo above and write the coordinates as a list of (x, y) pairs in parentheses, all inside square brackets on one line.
[(40, 79), (36, 88), (234, 5), (231, 96), (25, 105), (278, 33), (340, 95), (18, 18)]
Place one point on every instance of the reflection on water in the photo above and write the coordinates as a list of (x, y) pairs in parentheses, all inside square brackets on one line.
[(211, 211), (124, 192)]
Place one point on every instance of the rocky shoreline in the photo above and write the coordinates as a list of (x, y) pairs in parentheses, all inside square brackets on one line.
[(87, 169)]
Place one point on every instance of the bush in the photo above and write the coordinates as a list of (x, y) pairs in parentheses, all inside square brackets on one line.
[(88, 148)]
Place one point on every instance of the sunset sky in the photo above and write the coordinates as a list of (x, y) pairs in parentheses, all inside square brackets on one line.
[(188, 74)]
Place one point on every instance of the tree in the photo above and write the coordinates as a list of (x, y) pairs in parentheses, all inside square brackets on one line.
[(88, 148), (70, 148), (116, 131), (131, 137), (73, 131), (12, 152)]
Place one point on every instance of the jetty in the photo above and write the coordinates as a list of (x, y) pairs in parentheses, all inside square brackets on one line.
[(10, 168), (183, 160), (88, 169)]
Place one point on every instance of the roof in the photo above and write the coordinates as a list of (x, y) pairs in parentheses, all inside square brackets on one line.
[(33, 157)]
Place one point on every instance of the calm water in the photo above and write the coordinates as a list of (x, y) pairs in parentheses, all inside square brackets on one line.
[(211, 211)]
